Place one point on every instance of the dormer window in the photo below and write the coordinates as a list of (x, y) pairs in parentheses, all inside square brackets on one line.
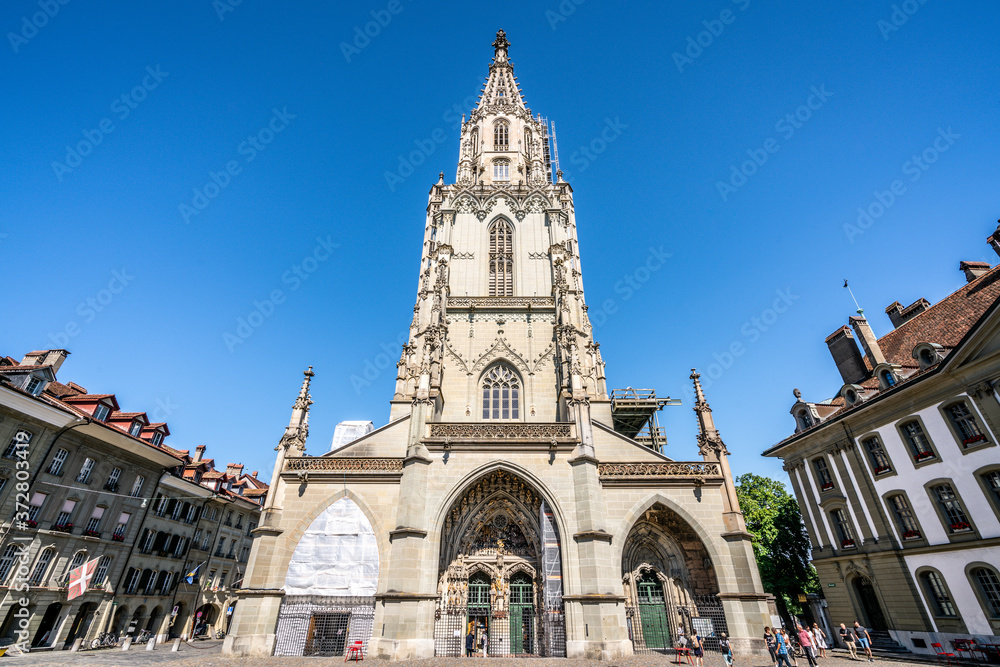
[(135, 429), (35, 385), (501, 170), (101, 412), (805, 420), (157, 438), (927, 354), (501, 136)]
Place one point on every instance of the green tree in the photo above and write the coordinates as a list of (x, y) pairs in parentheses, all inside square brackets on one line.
[(780, 541)]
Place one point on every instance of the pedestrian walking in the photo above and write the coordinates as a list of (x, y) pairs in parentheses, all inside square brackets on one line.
[(820, 638), (697, 649), (792, 648), (782, 647), (485, 640), (864, 640), (847, 636), (805, 641), (772, 645), (470, 643), (726, 648)]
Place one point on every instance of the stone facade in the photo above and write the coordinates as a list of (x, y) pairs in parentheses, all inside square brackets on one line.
[(503, 497), (897, 475), (101, 484)]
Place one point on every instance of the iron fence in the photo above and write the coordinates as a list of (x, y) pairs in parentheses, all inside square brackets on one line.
[(518, 631), (323, 626), (656, 627)]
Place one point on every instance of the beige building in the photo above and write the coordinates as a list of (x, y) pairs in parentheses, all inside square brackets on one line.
[(898, 474), (510, 495), (102, 484)]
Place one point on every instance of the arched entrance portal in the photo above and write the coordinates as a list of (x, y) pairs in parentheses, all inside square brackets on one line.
[(81, 623), (43, 637), (500, 575), (869, 603), (670, 583)]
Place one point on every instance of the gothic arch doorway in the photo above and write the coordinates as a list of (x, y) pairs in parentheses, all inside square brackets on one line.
[(670, 583), (870, 607), (500, 572)]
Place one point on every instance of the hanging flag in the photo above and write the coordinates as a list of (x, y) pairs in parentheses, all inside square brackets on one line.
[(79, 579), (193, 574)]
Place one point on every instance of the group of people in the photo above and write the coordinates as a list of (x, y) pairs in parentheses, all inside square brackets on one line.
[(696, 645), (814, 642)]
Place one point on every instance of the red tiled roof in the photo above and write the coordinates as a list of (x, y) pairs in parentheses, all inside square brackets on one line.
[(944, 323), (86, 398)]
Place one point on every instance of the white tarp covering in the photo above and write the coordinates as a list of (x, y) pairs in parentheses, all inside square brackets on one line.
[(338, 555), (348, 432)]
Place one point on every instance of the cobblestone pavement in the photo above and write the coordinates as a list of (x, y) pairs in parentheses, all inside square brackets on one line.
[(210, 653)]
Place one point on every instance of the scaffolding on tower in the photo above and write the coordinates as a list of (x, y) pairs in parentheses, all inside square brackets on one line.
[(633, 413)]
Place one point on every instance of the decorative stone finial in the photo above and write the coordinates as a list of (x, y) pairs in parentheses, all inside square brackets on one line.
[(797, 393)]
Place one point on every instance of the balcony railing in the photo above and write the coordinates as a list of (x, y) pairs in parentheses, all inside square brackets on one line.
[(62, 527)]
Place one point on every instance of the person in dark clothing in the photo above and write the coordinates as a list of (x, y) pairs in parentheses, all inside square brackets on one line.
[(470, 643)]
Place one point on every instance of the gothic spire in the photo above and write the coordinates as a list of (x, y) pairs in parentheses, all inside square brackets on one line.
[(501, 85), (709, 442), (297, 430)]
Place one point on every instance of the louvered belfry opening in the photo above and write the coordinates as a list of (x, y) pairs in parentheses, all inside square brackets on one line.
[(501, 259)]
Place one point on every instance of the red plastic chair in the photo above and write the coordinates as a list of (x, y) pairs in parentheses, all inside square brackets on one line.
[(941, 653), (355, 651)]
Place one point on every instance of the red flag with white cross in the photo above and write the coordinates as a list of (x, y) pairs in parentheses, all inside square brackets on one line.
[(79, 579)]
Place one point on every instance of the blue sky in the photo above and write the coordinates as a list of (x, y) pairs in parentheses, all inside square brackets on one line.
[(820, 106)]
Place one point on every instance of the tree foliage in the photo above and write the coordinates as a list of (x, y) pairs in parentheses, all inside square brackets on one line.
[(780, 541)]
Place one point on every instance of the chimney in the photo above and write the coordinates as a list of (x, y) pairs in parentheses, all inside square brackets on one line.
[(868, 341), (846, 355), (54, 358), (899, 315), (254, 474), (973, 269), (234, 469), (199, 451)]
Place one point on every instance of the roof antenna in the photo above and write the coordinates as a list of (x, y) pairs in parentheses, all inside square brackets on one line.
[(861, 311)]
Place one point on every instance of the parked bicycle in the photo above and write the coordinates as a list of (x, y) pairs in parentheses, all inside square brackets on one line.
[(105, 639), (221, 634), (143, 637)]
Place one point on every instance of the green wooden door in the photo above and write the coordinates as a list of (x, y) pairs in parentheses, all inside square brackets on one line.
[(521, 614), (653, 612)]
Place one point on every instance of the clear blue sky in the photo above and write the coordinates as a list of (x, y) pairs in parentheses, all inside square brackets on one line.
[(880, 95)]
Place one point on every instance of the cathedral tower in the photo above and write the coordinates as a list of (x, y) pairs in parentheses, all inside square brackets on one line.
[(511, 496)]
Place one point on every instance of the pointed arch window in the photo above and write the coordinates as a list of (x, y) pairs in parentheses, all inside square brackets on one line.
[(501, 134), (501, 393), (501, 259)]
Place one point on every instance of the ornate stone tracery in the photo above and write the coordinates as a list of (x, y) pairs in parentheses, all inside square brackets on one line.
[(494, 528)]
